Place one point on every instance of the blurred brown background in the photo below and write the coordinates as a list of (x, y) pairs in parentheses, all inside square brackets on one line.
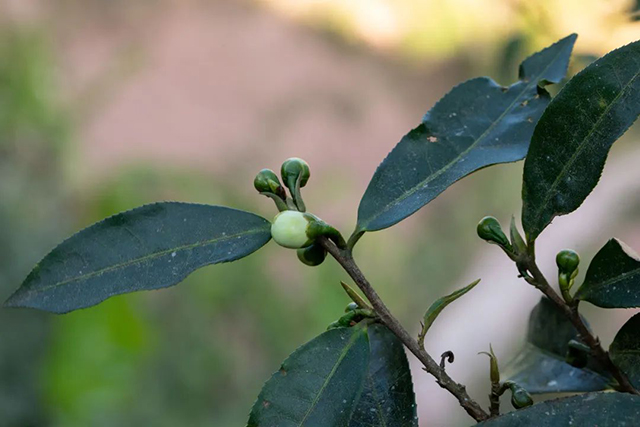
[(107, 105)]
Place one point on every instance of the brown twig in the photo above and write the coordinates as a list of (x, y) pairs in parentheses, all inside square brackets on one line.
[(538, 280), (345, 259), (494, 399)]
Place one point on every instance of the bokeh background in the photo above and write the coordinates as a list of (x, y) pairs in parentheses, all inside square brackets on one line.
[(107, 105)]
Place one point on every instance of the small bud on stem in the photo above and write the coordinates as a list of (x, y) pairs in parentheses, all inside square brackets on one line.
[(489, 229), (520, 398), (295, 174), (494, 372), (567, 261), (268, 184), (312, 255)]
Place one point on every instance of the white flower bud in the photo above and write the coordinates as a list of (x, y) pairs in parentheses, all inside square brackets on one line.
[(289, 229)]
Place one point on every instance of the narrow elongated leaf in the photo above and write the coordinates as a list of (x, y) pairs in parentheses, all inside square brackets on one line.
[(540, 367), (150, 247), (318, 385), (387, 398), (613, 278), (440, 304), (585, 410), (477, 124), (625, 349), (573, 137)]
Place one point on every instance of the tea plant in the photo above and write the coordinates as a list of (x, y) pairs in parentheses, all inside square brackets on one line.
[(356, 373)]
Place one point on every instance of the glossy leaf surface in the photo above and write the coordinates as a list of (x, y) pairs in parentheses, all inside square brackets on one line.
[(613, 277), (150, 247), (573, 137), (625, 350), (585, 410), (318, 385), (540, 367), (387, 398), (477, 124)]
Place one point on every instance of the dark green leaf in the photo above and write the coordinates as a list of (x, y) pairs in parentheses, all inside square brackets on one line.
[(625, 350), (573, 137), (613, 278), (477, 124), (540, 367), (539, 372), (585, 410), (150, 247), (318, 385), (387, 398)]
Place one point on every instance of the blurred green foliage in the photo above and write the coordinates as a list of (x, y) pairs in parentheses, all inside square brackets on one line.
[(32, 130)]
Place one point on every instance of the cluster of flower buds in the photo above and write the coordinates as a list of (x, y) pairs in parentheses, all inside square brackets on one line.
[(293, 227), (567, 261)]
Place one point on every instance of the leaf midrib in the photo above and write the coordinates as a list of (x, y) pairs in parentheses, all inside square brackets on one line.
[(581, 147), (613, 280), (343, 354), (145, 258), (465, 152)]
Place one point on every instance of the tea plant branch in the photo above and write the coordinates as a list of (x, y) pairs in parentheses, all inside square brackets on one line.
[(538, 280), (345, 259)]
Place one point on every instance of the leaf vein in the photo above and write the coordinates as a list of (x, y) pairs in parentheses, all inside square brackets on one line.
[(145, 258), (421, 184), (581, 147)]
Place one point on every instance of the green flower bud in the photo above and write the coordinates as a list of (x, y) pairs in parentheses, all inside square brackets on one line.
[(520, 398), (351, 307), (289, 229), (267, 181), (489, 229), (568, 261), (292, 169), (312, 255)]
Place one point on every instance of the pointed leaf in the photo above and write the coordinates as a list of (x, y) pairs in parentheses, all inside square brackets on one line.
[(585, 410), (318, 385), (573, 137), (540, 367), (387, 398), (613, 277), (625, 350), (477, 124), (150, 247), (440, 304)]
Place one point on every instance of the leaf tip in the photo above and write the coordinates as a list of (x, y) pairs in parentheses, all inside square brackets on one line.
[(14, 301)]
